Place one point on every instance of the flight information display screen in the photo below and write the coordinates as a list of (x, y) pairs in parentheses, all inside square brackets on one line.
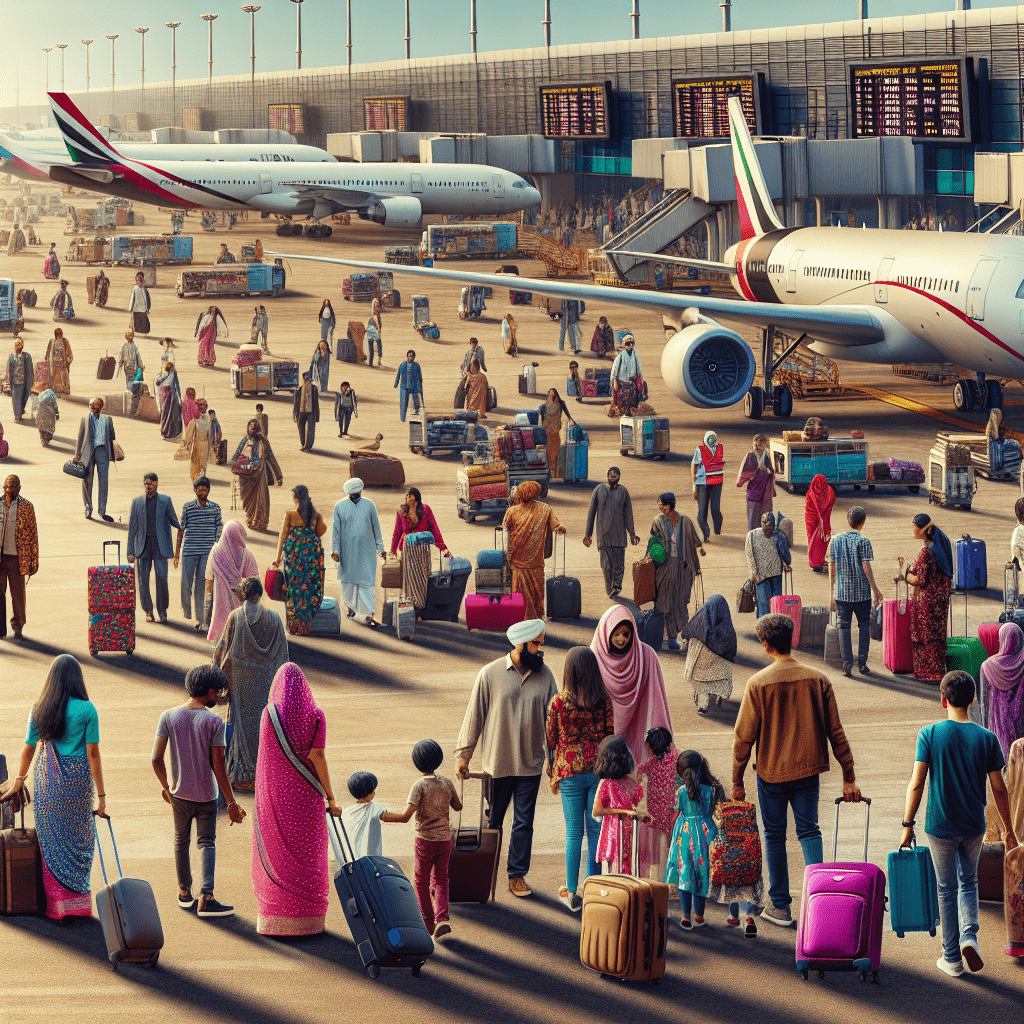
[(287, 117), (385, 113), (574, 111), (701, 105), (922, 99)]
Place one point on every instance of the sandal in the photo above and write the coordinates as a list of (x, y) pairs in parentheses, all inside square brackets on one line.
[(373, 623), (686, 924)]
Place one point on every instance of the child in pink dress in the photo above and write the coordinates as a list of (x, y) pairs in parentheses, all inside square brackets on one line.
[(659, 773), (619, 799)]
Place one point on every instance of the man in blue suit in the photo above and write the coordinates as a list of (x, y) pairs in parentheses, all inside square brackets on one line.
[(149, 541), (409, 381)]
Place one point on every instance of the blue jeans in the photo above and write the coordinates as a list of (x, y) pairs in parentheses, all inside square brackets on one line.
[(765, 590), (847, 610), (956, 869), (193, 584), (734, 909), (403, 401), (691, 901), (578, 792), (521, 792), (775, 799)]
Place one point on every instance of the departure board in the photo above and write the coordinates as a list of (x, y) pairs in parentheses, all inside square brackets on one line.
[(574, 111), (701, 105), (385, 113), (286, 117), (925, 100)]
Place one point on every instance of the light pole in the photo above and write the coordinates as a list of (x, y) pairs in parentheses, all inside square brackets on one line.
[(62, 47), (251, 10), (87, 43), (472, 26), (210, 19), (298, 34), (635, 15), (173, 26), (46, 50), (142, 33), (408, 37), (547, 23), (726, 6), (112, 38), (348, 18)]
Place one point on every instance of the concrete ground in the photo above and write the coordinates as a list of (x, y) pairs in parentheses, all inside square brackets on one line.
[(513, 960)]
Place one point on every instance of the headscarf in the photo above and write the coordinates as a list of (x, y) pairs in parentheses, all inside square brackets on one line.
[(711, 441), (300, 716), (527, 491), (941, 549), (1005, 669), (820, 496), (1002, 676), (712, 625), (231, 560)]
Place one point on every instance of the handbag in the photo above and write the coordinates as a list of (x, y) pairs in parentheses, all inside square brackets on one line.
[(735, 853), (644, 589), (656, 551), (183, 452), (244, 466), (745, 600), (391, 574), (273, 584), (75, 469), (118, 451)]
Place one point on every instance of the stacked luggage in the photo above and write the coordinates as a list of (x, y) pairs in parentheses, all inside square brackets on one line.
[(574, 455), (493, 606), (446, 588), (492, 575), (597, 382), (111, 605), (522, 445), (489, 480), (645, 437)]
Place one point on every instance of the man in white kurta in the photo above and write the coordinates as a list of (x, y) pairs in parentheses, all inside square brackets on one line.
[(355, 535)]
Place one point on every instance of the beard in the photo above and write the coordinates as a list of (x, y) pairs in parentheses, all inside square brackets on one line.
[(530, 661)]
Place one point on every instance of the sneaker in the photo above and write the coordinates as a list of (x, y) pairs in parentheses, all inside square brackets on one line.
[(971, 957), (186, 902), (106, 518), (732, 922), (686, 924), (750, 932), (518, 887), (782, 916), (209, 907), (848, 671), (571, 900), (864, 670), (442, 929), (954, 970)]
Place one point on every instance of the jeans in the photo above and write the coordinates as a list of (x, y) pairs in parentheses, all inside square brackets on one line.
[(521, 792), (193, 584), (374, 346), (734, 909), (573, 330), (765, 590), (100, 466), (847, 610), (403, 401), (205, 814), (691, 901), (430, 880), (956, 869), (709, 496), (344, 420), (775, 799), (577, 793), (144, 566), (307, 430)]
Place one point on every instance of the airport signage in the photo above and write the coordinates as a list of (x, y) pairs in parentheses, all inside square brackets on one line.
[(386, 113), (700, 106), (575, 111), (286, 117)]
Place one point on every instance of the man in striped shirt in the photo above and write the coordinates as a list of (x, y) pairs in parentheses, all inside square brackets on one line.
[(200, 529)]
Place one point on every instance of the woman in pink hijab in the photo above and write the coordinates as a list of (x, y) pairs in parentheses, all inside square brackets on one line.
[(189, 407), (1002, 687), (289, 836), (229, 563)]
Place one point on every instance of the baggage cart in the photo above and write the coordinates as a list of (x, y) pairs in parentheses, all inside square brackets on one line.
[(367, 287), (951, 480), (402, 255), (126, 250), (998, 460), (421, 321), (267, 377), (843, 461), (10, 305), (426, 434), (539, 473), (644, 437), (472, 304), (470, 508), (238, 280)]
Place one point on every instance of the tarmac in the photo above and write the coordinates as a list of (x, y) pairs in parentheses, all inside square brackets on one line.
[(513, 959)]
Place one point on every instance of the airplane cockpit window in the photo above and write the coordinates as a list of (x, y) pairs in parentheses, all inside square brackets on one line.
[(1020, 291), (519, 184)]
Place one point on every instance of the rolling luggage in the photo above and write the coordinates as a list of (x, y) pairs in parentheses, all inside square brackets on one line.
[(6, 812), (624, 925), (833, 653), (476, 852), (489, 581), (897, 649), (1013, 886), (446, 587), (460, 395), (111, 590), (970, 571), (21, 870), (346, 350), (106, 369), (128, 913), (789, 604), (650, 628), (813, 621), (564, 593), (990, 872), (841, 912), (327, 621), (222, 453), (140, 322), (492, 398), (403, 617), (377, 471), (963, 652), (913, 891), (494, 611), (1011, 594)]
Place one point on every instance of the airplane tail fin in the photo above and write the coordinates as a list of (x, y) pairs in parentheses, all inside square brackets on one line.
[(85, 144), (757, 214)]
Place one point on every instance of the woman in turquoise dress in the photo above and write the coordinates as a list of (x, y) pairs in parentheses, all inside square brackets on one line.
[(300, 554)]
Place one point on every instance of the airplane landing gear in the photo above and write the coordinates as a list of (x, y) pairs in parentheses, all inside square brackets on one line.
[(776, 397), (753, 403), (977, 395), (995, 394)]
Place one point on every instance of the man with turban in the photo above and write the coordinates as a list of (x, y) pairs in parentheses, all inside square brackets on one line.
[(356, 533), (528, 523)]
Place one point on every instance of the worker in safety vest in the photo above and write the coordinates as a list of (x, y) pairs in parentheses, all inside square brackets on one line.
[(707, 470)]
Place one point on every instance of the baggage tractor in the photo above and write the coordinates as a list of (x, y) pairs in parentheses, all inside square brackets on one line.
[(963, 651), (897, 649), (813, 621), (382, 471), (990, 872), (446, 587), (21, 870), (789, 604), (841, 912), (106, 368), (327, 621), (624, 925), (494, 611), (913, 890), (128, 913), (476, 852), (564, 594), (111, 605), (380, 907), (970, 570)]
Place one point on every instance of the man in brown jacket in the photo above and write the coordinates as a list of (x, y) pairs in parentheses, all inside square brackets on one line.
[(19, 553), (789, 711)]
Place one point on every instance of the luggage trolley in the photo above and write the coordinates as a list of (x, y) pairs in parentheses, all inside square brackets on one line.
[(421, 321), (455, 431), (644, 437), (472, 303), (471, 508)]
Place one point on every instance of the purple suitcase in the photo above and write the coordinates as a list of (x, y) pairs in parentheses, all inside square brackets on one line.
[(841, 911), (494, 611)]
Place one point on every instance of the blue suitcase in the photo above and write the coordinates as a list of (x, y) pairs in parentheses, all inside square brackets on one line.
[(913, 891), (650, 628), (971, 570), (582, 460)]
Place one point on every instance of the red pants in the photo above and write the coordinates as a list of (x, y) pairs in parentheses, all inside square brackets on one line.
[(430, 878)]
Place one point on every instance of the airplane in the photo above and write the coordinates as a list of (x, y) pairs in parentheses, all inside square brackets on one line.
[(391, 194), (30, 155), (873, 296)]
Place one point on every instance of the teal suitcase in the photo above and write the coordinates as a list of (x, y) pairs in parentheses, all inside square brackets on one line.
[(913, 891)]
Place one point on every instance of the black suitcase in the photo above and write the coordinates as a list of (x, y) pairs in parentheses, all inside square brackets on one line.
[(523, 386), (564, 593), (381, 909), (106, 369), (492, 399), (650, 628), (460, 395), (446, 587)]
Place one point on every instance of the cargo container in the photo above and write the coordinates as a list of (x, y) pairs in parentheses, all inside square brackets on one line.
[(843, 461), (233, 279), (127, 250), (267, 377), (444, 241), (10, 307)]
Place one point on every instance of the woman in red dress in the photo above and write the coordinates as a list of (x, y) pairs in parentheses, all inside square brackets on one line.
[(930, 577), (818, 520)]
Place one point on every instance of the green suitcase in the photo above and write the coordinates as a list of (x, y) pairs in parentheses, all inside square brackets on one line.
[(964, 653)]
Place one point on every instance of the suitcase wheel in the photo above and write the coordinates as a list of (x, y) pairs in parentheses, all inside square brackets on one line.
[(416, 970), (373, 970), (863, 975), (821, 974), (874, 977)]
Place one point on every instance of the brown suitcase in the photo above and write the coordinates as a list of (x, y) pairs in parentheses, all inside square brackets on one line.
[(644, 576), (148, 410), (106, 369), (357, 331), (140, 323), (21, 871), (476, 851), (222, 453), (391, 574), (990, 872), (378, 472)]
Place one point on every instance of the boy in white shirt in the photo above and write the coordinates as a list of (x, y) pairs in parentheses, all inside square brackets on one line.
[(362, 820)]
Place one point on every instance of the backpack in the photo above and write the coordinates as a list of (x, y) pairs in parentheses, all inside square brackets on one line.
[(735, 853)]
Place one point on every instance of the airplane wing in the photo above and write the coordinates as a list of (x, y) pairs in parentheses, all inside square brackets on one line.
[(342, 198), (845, 325)]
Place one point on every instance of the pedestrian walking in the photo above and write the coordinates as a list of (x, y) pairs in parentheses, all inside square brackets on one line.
[(676, 551), (475, 351), (200, 529), (354, 538), (550, 413), (931, 575), (208, 332), (229, 564), (658, 775), (19, 554), (47, 412), (508, 335), (328, 321), (320, 366), (611, 517), (409, 381), (300, 555), (346, 406), (139, 305), (129, 359), (619, 803), (756, 472), (306, 410), (627, 376), (260, 327), (707, 472), (58, 359), (570, 325), (528, 523), (818, 505), (20, 378), (95, 448), (374, 343), (149, 543), (764, 562), (256, 466)]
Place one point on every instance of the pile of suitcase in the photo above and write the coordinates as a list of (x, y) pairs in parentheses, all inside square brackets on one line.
[(574, 455), (524, 444), (493, 606)]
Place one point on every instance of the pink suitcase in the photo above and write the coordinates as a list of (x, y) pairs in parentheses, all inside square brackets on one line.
[(791, 605), (494, 611), (897, 650), (988, 634), (841, 913)]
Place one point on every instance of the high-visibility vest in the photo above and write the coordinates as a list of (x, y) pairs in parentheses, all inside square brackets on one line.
[(713, 464)]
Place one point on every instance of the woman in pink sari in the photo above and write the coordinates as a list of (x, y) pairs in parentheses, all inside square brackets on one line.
[(230, 562), (632, 676), (206, 332), (289, 836), (818, 520), (189, 407)]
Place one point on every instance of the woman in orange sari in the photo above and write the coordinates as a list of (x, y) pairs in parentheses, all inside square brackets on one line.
[(528, 523), (818, 520), (476, 390)]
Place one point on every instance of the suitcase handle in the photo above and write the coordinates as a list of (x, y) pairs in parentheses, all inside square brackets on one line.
[(107, 544), (866, 801), (787, 578), (554, 554), (963, 594), (336, 822), (483, 801), (99, 847)]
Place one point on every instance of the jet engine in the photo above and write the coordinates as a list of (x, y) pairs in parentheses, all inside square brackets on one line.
[(707, 366), (396, 212)]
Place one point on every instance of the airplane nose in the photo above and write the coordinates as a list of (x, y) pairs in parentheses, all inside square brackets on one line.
[(534, 196)]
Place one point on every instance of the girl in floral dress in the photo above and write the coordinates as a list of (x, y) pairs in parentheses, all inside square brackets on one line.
[(619, 800), (689, 865), (659, 774)]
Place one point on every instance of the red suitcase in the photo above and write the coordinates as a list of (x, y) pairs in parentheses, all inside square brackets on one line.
[(988, 634), (897, 650), (494, 611), (791, 605), (111, 605)]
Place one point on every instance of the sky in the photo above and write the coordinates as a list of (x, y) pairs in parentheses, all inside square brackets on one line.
[(378, 28)]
